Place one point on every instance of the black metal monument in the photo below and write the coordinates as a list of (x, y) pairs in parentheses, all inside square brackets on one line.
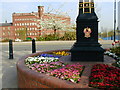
[(87, 47)]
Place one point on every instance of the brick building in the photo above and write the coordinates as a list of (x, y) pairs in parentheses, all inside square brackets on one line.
[(29, 25), (7, 31)]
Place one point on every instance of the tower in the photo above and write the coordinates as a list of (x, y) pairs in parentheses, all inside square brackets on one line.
[(86, 47), (40, 11)]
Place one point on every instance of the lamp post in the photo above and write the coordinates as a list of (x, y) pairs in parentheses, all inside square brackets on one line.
[(114, 20), (26, 32)]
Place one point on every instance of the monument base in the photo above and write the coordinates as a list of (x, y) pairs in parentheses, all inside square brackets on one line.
[(89, 52)]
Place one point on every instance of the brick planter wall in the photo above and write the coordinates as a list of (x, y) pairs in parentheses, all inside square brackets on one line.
[(28, 78)]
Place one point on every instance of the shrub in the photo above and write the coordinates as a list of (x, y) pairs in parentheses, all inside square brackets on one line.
[(116, 50), (40, 38), (51, 37), (48, 37), (5, 40), (69, 36)]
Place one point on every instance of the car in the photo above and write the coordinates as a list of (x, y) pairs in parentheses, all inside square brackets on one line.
[(18, 40)]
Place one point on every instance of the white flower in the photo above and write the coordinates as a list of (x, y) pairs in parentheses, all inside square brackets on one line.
[(107, 52), (118, 62), (71, 80), (110, 53), (30, 59), (115, 56), (41, 58)]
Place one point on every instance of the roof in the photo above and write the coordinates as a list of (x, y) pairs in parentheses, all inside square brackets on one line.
[(26, 14), (5, 24), (58, 15), (36, 14)]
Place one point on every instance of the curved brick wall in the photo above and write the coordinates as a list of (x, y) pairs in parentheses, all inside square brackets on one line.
[(31, 79)]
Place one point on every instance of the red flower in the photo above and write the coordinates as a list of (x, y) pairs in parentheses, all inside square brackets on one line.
[(104, 76)]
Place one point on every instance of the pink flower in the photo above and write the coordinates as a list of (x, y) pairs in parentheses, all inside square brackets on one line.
[(33, 68)]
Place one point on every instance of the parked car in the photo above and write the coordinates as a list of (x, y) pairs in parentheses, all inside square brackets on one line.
[(18, 40)]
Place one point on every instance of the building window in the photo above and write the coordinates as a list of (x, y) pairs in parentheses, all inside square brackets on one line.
[(36, 34), (30, 34), (3, 33), (3, 28), (8, 33), (32, 23)]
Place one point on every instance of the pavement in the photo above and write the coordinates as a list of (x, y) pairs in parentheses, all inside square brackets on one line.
[(8, 72)]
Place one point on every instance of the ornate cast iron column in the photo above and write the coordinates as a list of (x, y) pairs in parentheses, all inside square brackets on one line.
[(87, 47)]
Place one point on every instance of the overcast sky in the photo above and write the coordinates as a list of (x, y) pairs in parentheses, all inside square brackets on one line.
[(104, 9)]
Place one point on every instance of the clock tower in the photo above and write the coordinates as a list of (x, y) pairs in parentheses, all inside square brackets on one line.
[(87, 47)]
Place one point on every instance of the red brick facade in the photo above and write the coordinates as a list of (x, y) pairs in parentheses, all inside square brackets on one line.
[(29, 23), (7, 32)]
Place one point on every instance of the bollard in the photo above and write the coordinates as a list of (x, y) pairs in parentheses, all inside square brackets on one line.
[(10, 49), (33, 46)]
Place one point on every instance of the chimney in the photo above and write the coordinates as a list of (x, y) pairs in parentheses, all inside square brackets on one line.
[(40, 11)]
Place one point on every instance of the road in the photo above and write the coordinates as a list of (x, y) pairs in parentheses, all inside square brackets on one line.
[(9, 72), (48, 45)]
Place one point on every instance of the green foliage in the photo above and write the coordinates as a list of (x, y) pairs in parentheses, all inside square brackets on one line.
[(6, 40), (51, 37), (22, 34), (67, 36), (116, 50), (48, 37), (116, 64), (40, 38)]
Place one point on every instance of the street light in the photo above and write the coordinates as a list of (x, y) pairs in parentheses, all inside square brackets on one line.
[(114, 19), (26, 32)]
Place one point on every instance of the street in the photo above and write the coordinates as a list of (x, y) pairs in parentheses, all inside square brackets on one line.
[(47, 45)]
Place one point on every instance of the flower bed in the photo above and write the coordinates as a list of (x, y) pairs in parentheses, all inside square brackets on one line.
[(53, 67), (69, 72), (104, 77), (113, 55), (63, 53), (43, 64)]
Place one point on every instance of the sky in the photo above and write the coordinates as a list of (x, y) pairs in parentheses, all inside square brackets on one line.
[(104, 9)]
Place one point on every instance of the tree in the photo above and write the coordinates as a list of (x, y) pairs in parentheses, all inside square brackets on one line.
[(22, 34), (54, 22)]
